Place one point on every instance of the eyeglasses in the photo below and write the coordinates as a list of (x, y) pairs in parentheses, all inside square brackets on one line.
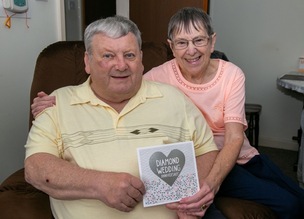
[(183, 43)]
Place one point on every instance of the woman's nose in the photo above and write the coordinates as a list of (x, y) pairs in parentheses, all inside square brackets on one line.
[(191, 49)]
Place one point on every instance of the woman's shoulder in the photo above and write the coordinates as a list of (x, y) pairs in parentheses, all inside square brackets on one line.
[(160, 68), (159, 71), (229, 69)]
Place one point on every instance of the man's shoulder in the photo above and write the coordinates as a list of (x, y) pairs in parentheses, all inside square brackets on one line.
[(68, 89), (65, 90), (167, 92), (162, 86)]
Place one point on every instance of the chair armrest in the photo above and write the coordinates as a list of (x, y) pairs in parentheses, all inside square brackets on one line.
[(234, 208), (20, 200)]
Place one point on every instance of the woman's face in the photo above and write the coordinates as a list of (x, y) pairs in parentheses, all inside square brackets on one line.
[(194, 59)]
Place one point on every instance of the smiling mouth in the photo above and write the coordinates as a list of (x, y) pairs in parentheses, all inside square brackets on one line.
[(120, 76), (193, 60)]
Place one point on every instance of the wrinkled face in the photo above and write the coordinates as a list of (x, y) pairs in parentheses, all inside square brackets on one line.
[(192, 59), (115, 66)]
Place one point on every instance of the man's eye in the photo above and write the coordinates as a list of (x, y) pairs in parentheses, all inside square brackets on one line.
[(107, 56), (130, 55)]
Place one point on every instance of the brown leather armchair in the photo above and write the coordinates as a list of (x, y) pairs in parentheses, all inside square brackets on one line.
[(61, 64)]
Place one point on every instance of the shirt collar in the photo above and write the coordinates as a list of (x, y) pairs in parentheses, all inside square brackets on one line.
[(84, 94)]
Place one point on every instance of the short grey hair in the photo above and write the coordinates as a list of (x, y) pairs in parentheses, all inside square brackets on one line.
[(185, 17), (114, 27)]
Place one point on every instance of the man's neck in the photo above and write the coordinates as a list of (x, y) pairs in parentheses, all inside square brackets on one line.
[(117, 105)]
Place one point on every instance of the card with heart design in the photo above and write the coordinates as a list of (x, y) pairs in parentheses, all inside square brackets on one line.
[(168, 171)]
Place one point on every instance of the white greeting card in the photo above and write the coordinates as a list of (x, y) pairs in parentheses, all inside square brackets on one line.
[(168, 171)]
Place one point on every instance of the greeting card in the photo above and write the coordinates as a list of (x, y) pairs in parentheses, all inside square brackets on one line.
[(168, 171)]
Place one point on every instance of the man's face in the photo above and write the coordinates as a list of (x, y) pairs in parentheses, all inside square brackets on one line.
[(115, 67)]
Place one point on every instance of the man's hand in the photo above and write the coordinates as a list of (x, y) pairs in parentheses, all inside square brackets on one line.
[(122, 191), (41, 102), (63, 180)]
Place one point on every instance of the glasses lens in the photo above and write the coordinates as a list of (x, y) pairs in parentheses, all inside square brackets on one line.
[(183, 44), (201, 41)]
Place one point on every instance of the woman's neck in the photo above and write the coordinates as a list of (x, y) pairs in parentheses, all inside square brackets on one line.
[(204, 76)]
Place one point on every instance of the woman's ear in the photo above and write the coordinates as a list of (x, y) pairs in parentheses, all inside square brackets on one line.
[(213, 37), (171, 46)]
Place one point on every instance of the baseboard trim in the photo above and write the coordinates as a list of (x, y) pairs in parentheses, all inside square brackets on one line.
[(278, 143)]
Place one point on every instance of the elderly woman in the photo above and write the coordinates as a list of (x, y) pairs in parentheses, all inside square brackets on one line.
[(217, 87)]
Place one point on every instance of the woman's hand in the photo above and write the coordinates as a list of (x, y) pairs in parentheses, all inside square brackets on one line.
[(186, 216), (195, 205), (41, 102)]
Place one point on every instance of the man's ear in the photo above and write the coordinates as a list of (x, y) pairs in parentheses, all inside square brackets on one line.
[(142, 56), (87, 62)]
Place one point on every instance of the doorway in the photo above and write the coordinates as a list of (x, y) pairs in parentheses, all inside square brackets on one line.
[(95, 10), (80, 13), (152, 16)]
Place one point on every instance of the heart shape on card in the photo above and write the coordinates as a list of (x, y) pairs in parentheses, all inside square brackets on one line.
[(168, 167)]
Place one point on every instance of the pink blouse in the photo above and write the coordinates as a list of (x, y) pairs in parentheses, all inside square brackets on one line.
[(221, 100)]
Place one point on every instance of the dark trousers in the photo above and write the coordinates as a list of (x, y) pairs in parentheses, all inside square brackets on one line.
[(262, 181), (213, 213)]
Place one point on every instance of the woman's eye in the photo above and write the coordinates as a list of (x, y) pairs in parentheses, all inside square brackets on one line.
[(181, 43), (200, 41)]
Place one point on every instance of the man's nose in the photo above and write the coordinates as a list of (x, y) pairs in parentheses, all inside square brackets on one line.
[(121, 64)]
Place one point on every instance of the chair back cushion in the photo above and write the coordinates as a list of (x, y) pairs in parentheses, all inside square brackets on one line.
[(62, 64)]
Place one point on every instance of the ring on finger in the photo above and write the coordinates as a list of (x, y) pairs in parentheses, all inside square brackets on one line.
[(204, 206)]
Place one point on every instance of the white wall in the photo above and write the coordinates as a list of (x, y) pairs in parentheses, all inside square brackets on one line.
[(265, 38), (122, 7), (19, 48)]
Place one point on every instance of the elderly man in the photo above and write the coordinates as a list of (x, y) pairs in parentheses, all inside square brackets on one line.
[(82, 151)]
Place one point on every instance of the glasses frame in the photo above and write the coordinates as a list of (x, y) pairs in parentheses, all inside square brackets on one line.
[(174, 42)]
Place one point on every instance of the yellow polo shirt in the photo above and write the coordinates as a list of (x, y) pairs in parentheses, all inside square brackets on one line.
[(89, 133)]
